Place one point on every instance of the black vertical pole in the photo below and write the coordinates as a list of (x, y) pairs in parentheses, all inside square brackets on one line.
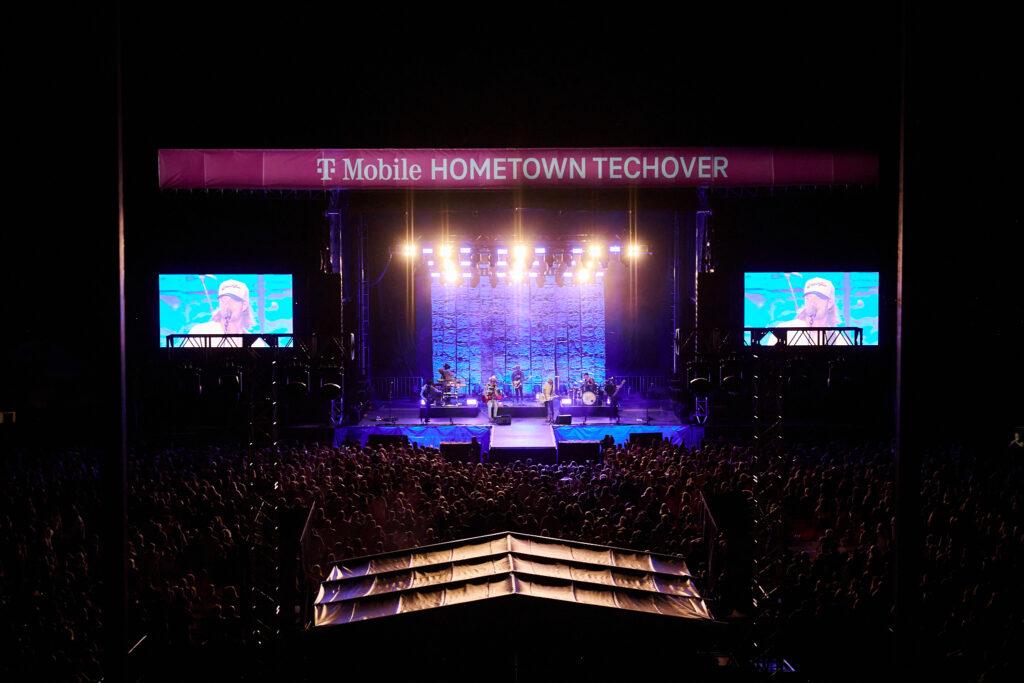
[(113, 458), (908, 460)]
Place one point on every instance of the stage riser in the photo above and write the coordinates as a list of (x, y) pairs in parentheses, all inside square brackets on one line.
[(445, 412), (587, 411), (523, 411)]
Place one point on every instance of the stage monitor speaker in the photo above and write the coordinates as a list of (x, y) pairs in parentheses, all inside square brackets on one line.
[(374, 440), (458, 451), (503, 420), (645, 438), (579, 451), (563, 419)]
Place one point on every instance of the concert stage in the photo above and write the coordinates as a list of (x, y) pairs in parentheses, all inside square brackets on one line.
[(525, 438)]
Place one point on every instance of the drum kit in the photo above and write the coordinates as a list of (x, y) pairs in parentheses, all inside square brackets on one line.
[(579, 396)]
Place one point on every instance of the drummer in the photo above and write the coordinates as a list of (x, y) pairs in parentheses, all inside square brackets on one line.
[(589, 383)]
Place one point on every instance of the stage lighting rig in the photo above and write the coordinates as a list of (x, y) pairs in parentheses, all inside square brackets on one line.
[(409, 250)]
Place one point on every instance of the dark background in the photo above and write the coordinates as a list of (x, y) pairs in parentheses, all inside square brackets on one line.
[(301, 76)]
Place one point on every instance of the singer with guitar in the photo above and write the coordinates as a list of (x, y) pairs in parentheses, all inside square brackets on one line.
[(517, 384), (549, 398), (492, 394)]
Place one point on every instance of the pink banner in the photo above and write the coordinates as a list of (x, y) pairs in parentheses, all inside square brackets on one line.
[(453, 169)]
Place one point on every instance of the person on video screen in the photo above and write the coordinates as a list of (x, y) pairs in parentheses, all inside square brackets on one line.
[(819, 310), (233, 315)]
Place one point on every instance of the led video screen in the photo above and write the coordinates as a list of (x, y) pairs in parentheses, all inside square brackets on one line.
[(225, 304), (812, 299)]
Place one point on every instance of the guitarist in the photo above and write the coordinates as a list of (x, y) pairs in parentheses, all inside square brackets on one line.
[(549, 398), (517, 384), (612, 390), (492, 394)]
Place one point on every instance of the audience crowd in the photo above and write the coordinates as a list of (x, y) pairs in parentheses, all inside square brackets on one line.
[(204, 526)]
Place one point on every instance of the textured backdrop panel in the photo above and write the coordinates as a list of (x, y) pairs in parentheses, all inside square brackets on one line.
[(546, 330)]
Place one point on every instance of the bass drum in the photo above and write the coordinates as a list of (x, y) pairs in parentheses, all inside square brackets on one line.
[(589, 398)]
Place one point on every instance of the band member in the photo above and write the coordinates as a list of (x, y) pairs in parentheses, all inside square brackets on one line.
[(549, 398), (430, 393), (611, 390), (589, 383), (517, 384), (447, 376), (492, 394)]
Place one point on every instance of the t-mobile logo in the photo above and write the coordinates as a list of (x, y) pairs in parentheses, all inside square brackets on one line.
[(325, 167)]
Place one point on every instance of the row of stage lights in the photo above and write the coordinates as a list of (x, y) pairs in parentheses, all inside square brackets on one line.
[(514, 265)]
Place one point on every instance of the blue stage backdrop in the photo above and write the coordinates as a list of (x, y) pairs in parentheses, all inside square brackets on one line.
[(487, 330)]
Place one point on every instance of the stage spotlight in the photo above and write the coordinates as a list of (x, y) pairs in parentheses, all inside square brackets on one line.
[(230, 380), (451, 276), (731, 375), (446, 251), (472, 402), (566, 401), (633, 251), (331, 382), (595, 251), (583, 276), (699, 378), (519, 252), (515, 277), (297, 381), (409, 250)]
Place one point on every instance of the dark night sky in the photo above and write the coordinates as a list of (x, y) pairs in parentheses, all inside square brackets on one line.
[(302, 77)]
